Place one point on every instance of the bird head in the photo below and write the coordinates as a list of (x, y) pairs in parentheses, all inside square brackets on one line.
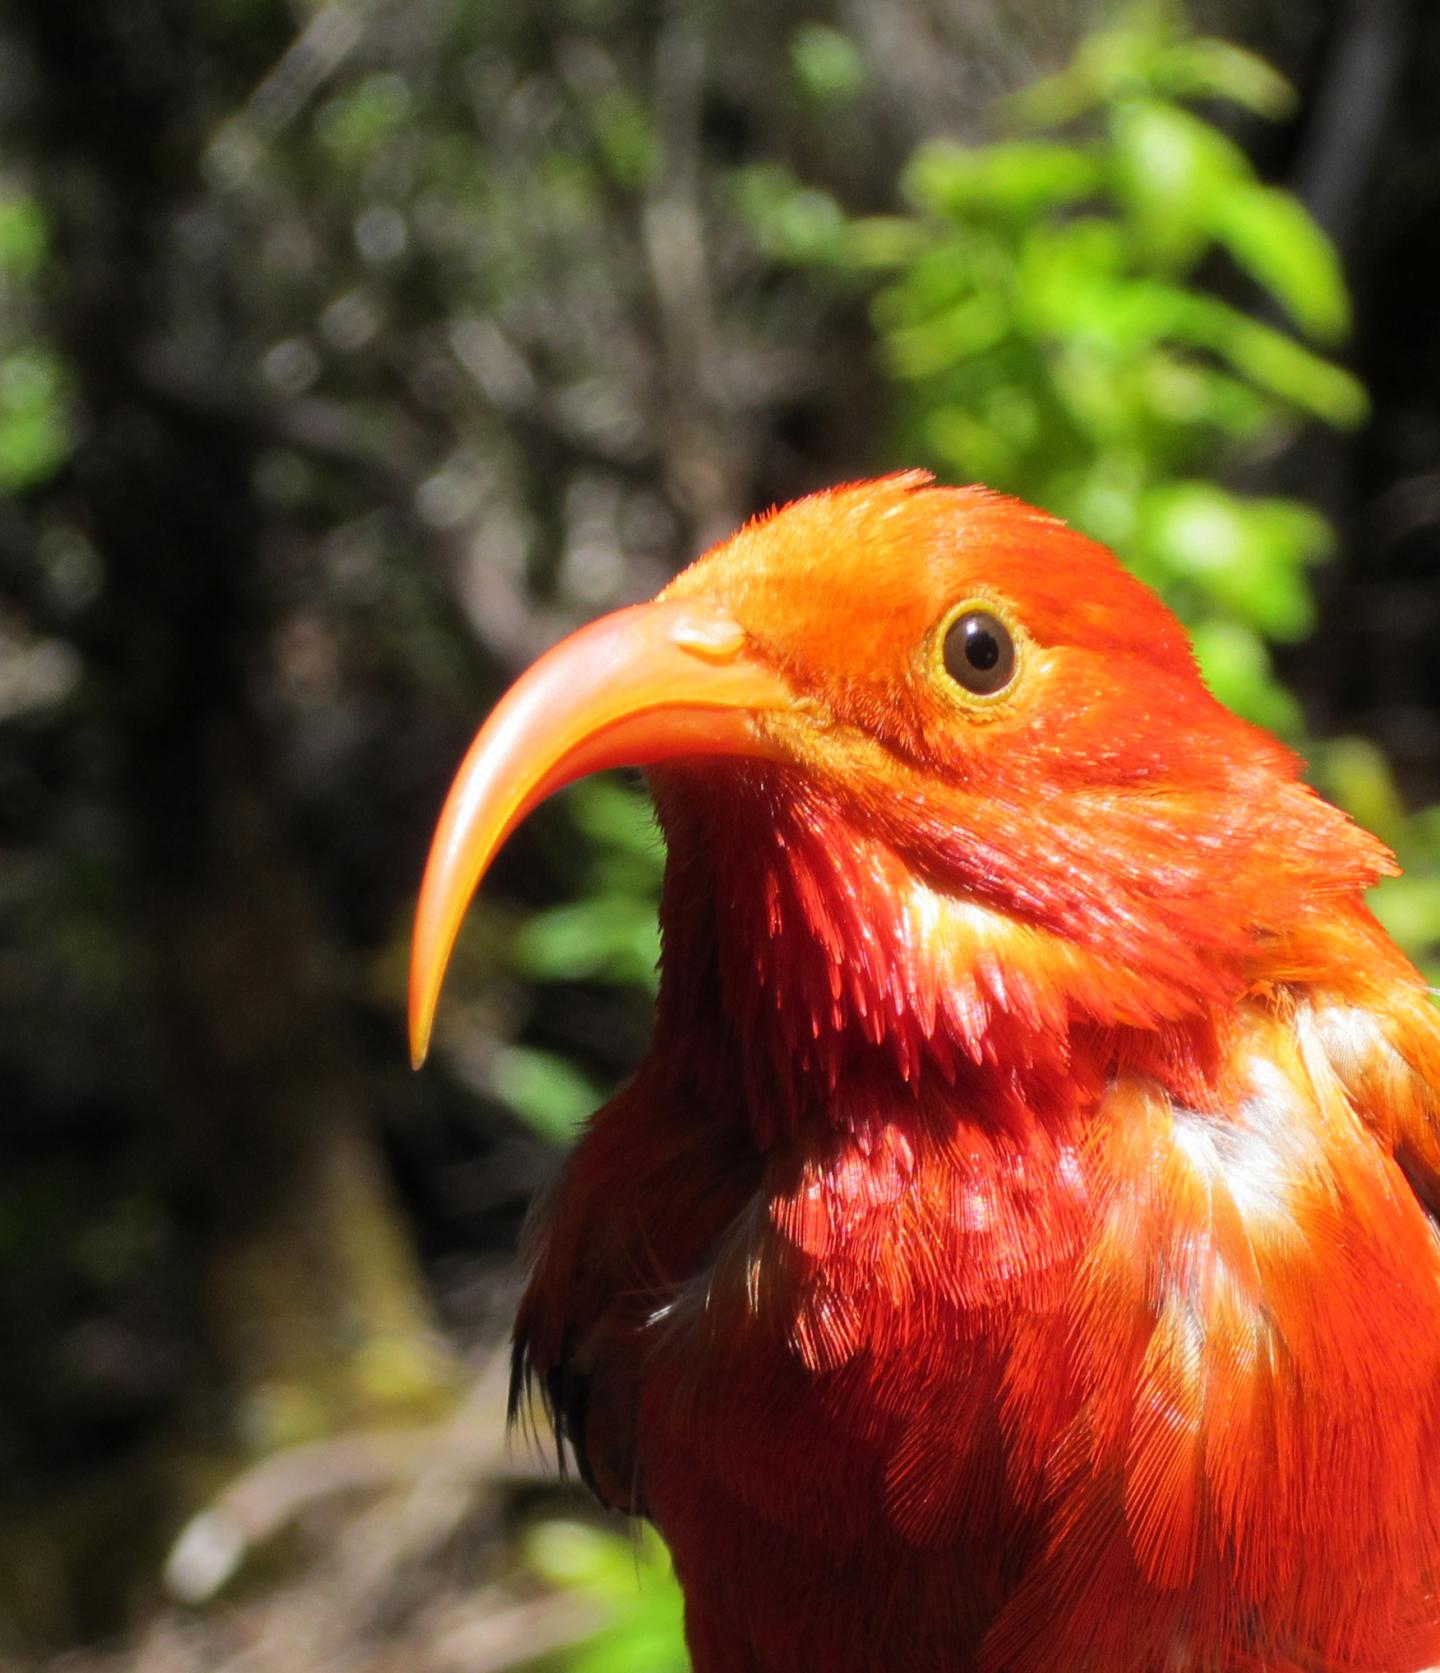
[(933, 769)]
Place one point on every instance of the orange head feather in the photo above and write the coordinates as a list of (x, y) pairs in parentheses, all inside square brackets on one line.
[(1095, 830)]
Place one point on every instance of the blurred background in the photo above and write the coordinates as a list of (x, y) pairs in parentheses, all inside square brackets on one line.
[(351, 351)]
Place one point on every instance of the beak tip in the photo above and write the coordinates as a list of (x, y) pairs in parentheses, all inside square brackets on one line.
[(420, 1021), (421, 1024)]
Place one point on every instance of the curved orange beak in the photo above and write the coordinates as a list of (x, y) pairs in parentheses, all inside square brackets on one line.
[(647, 684)]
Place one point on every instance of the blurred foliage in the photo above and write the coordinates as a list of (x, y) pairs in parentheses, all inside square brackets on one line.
[(631, 1584), (34, 389), (607, 935)]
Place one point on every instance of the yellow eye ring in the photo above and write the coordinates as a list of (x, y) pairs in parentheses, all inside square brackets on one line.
[(977, 652)]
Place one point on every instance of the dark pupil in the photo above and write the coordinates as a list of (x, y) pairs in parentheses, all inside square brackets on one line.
[(979, 653), (982, 648)]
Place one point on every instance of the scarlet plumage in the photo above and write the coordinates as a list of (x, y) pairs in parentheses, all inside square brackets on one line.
[(1017, 1251)]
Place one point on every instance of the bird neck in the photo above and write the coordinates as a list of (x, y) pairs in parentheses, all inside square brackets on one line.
[(812, 976)]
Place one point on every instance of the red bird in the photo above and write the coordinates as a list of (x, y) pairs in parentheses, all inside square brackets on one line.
[(1018, 1250)]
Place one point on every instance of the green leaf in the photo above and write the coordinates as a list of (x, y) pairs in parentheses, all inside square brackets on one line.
[(826, 64), (941, 275), (968, 328), (1070, 278), (548, 1093), (1207, 68), (1287, 369), (1107, 63), (790, 221), (24, 238), (35, 436), (612, 815), (630, 1580), (1171, 171), (1356, 774), (1273, 237), (1409, 909), (641, 1646), (611, 938), (1237, 669), (578, 1557), (1246, 555), (1183, 390), (883, 241), (1268, 357), (1019, 179), (1102, 499), (969, 449), (629, 145)]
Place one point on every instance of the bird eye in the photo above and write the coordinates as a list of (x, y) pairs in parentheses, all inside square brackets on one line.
[(979, 653)]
